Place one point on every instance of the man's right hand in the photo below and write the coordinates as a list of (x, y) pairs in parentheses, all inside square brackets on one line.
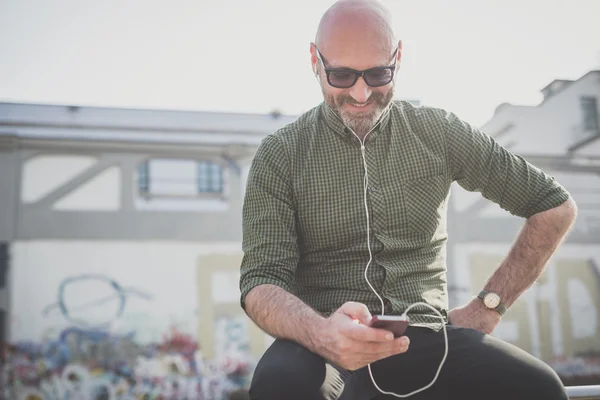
[(346, 339)]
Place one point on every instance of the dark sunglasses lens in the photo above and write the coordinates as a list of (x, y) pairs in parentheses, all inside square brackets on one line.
[(378, 77), (341, 79)]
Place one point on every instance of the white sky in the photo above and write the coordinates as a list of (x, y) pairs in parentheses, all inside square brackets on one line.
[(467, 56)]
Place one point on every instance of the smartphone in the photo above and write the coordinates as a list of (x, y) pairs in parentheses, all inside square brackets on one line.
[(396, 324)]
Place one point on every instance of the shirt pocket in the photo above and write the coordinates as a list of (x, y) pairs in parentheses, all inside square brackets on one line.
[(425, 202)]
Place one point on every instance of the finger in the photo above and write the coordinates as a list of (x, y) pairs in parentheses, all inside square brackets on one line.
[(400, 345), (356, 311), (385, 349), (364, 333)]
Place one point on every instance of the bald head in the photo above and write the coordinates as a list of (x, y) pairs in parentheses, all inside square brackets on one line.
[(356, 35), (355, 23)]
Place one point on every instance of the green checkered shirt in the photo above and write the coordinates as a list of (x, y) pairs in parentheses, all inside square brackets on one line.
[(304, 220)]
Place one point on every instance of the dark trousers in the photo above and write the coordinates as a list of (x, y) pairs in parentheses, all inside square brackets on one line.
[(478, 366)]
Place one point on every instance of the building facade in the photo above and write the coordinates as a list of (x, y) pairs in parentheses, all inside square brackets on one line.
[(558, 318), (120, 236)]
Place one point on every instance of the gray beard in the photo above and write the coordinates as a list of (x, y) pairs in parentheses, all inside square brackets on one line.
[(363, 124)]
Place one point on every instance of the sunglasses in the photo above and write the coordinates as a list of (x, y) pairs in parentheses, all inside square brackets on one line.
[(344, 78)]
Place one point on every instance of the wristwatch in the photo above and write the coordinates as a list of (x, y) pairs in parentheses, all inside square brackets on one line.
[(492, 301)]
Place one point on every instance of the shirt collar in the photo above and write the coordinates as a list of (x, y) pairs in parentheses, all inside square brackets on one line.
[(335, 123)]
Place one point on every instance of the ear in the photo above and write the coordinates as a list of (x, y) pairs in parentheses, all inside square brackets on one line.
[(314, 60), (399, 55), (398, 60)]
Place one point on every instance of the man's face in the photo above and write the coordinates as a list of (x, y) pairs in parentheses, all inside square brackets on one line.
[(361, 105)]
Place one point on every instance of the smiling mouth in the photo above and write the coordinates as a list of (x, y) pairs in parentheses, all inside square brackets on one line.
[(359, 105)]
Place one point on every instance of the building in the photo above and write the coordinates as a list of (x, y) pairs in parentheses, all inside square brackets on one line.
[(560, 315), (128, 222)]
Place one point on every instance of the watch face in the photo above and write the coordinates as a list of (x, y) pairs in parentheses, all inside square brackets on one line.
[(491, 300)]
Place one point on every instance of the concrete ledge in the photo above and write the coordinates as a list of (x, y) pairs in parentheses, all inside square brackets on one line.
[(591, 392)]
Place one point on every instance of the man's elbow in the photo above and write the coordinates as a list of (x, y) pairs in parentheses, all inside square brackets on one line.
[(562, 215), (254, 295), (568, 210)]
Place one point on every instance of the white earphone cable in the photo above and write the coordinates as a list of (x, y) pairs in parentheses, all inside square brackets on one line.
[(365, 187), (439, 368)]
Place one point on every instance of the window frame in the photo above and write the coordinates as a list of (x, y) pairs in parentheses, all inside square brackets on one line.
[(143, 180)]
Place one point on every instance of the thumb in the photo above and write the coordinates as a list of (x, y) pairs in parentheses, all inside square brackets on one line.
[(356, 311)]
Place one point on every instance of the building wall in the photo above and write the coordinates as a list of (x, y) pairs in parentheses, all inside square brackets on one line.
[(9, 185), (591, 150), (136, 282), (549, 128), (99, 308), (223, 325), (9, 179), (559, 315), (71, 195), (103, 283), (558, 318)]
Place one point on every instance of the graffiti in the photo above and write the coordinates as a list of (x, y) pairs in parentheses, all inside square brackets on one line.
[(106, 308), (231, 334), (87, 364)]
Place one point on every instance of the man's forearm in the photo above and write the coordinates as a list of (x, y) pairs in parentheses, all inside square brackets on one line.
[(283, 315), (537, 241)]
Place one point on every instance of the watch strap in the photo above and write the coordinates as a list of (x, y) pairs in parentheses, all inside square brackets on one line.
[(501, 308)]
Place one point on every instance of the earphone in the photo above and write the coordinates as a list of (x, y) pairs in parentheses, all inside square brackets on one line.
[(365, 189)]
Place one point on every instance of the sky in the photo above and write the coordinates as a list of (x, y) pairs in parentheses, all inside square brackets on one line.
[(466, 56)]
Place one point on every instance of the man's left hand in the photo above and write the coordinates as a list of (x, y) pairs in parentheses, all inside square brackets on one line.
[(475, 316)]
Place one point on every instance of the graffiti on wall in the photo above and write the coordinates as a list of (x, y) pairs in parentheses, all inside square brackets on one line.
[(88, 359), (94, 364), (231, 334), (92, 300)]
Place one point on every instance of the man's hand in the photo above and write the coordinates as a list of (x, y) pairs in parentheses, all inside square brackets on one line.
[(475, 316), (346, 339)]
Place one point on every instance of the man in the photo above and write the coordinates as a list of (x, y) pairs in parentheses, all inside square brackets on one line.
[(316, 262)]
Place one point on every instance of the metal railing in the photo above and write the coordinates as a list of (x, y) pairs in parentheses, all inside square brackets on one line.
[(591, 392)]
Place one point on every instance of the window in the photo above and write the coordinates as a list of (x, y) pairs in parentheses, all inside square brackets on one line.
[(589, 109), (210, 177), (143, 178), (180, 178)]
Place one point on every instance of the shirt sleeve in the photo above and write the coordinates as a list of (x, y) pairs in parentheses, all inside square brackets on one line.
[(479, 164), (269, 233)]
